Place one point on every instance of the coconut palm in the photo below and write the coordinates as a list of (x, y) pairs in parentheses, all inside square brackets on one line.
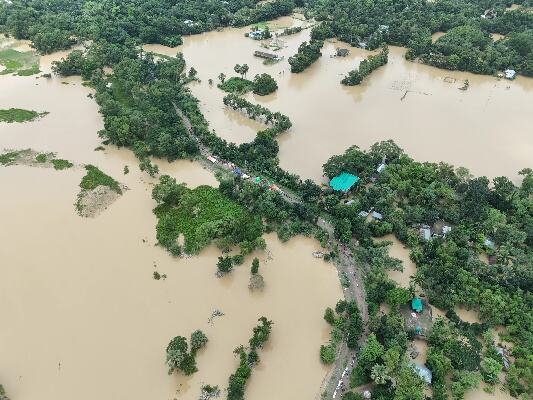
[(380, 374)]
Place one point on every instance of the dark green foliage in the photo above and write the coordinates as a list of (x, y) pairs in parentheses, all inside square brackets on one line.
[(201, 215), (327, 353), (94, 177), (57, 24), (280, 123), (224, 264), (410, 23), (307, 54), (178, 358), (356, 76), (247, 359), (60, 164), (255, 266), (41, 158), (329, 316), (264, 84)]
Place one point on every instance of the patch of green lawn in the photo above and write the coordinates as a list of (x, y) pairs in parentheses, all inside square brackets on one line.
[(95, 177), (236, 85), (19, 115)]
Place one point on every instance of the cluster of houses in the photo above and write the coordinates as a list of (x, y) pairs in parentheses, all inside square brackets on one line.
[(240, 173)]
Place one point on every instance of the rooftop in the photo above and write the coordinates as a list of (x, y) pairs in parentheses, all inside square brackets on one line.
[(343, 182)]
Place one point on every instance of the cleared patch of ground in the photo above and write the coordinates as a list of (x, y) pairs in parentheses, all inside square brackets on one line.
[(98, 192), (32, 158), (22, 63)]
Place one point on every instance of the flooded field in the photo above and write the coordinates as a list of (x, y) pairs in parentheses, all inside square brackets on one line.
[(435, 121), (82, 316)]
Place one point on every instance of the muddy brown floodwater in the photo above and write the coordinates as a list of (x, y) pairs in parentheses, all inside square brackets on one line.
[(486, 128), (82, 316)]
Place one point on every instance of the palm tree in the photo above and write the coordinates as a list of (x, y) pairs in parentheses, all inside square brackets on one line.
[(380, 374)]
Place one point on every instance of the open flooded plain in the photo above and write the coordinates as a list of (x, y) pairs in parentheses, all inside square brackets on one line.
[(82, 316), (418, 106)]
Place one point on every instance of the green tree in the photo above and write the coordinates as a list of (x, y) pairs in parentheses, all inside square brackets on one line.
[(371, 352), (327, 353), (198, 340), (490, 369), (264, 84), (224, 264), (255, 266), (329, 316), (379, 374)]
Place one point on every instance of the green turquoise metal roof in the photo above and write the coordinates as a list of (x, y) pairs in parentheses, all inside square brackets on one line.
[(343, 182), (416, 304)]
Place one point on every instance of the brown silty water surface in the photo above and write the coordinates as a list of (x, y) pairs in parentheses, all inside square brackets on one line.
[(486, 128), (82, 317)]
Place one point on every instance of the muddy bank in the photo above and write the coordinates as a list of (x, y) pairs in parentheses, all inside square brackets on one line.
[(434, 122)]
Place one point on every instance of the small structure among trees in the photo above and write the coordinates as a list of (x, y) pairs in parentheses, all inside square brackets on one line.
[(343, 182)]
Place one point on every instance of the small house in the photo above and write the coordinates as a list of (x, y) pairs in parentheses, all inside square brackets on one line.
[(510, 74), (380, 168), (376, 215), (446, 229), (343, 182), (362, 45), (257, 34), (417, 305), (363, 214), (424, 232), (493, 260), (489, 243), (212, 159), (489, 14), (267, 56)]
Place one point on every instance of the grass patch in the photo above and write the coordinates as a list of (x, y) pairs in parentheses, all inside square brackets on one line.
[(202, 215), (60, 164), (19, 115), (22, 63), (236, 85), (95, 178), (33, 70), (9, 158), (41, 158)]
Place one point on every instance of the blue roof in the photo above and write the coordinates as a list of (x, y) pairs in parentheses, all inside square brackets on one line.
[(343, 182), (416, 304)]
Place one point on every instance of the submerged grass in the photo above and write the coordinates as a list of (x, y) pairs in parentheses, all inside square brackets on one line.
[(23, 63), (9, 157), (95, 178), (19, 115), (205, 214), (236, 85), (60, 164)]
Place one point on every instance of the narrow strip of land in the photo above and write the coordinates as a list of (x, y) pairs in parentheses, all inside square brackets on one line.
[(345, 358)]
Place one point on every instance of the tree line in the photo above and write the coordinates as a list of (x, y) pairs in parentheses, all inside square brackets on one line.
[(356, 76)]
